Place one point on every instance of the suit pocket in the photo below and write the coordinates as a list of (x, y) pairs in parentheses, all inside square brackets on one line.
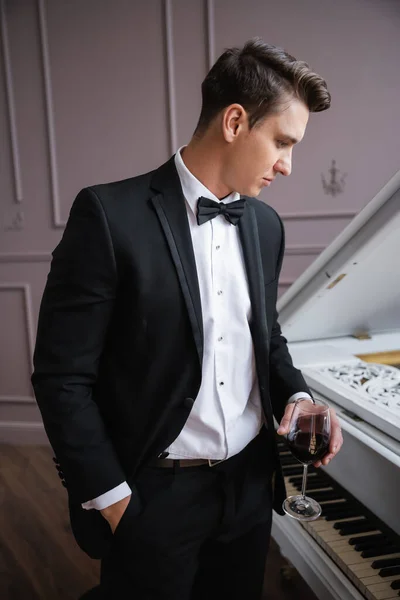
[(132, 510)]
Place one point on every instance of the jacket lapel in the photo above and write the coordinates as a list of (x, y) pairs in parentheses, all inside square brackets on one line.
[(170, 207), (248, 229)]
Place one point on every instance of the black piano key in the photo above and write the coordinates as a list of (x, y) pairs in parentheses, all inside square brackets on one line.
[(288, 460), (292, 470), (395, 585), (362, 539), (389, 571), (312, 481), (380, 551), (350, 527), (326, 495), (339, 505), (362, 519), (344, 514), (297, 469), (315, 485), (370, 545), (313, 477), (382, 563)]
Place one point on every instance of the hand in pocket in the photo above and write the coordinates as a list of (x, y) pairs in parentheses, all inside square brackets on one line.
[(114, 513)]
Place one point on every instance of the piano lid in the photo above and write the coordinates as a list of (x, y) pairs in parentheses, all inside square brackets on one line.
[(354, 285)]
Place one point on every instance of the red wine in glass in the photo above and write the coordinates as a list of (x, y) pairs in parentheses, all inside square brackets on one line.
[(308, 440), (306, 449)]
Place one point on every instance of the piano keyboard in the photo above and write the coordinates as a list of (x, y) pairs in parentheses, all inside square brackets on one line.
[(361, 545)]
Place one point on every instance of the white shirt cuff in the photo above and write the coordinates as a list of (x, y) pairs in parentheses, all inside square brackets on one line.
[(299, 395), (111, 497)]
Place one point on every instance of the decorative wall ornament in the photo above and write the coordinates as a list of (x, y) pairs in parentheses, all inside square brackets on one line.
[(335, 185), (376, 383)]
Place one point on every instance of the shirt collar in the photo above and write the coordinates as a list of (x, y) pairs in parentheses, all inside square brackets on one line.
[(192, 188)]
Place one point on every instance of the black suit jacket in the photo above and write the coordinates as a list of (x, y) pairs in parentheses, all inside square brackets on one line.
[(117, 362)]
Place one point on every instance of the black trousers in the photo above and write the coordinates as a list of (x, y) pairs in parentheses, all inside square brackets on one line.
[(194, 533)]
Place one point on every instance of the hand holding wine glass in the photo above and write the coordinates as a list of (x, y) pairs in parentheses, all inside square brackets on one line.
[(308, 439)]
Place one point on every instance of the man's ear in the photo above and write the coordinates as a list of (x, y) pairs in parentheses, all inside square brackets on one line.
[(234, 120)]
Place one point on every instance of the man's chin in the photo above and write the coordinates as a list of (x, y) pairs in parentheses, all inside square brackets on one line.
[(254, 192)]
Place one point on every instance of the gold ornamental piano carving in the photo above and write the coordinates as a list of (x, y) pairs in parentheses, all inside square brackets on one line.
[(342, 322)]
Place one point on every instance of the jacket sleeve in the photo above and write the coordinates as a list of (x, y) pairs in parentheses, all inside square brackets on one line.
[(285, 379), (74, 315)]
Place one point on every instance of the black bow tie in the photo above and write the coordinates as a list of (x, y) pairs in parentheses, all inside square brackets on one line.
[(208, 209)]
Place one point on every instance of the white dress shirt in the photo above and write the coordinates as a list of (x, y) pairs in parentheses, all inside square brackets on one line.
[(227, 413)]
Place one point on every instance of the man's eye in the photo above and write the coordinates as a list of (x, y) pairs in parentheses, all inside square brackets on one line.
[(281, 144)]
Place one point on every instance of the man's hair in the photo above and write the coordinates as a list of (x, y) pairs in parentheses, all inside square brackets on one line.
[(261, 78)]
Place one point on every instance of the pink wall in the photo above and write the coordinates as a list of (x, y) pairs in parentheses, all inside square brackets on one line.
[(104, 89)]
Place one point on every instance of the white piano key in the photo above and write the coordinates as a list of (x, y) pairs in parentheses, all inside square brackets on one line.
[(385, 595), (376, 579)]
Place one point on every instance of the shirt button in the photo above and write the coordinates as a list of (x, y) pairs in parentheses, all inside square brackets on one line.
[(220, 338), (219, 292), (221, 383), (217, 247)]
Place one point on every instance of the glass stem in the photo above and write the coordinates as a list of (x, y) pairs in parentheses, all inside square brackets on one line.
[(304, 482)]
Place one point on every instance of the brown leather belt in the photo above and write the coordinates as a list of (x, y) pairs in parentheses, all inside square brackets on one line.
[(183, 462)]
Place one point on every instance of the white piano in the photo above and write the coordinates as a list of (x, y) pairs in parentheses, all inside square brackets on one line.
[(342, 322)]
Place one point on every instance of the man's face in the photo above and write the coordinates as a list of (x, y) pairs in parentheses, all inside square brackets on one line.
[(254, 158)]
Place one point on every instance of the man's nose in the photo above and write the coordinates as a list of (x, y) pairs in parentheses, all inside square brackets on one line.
[(284, 166)]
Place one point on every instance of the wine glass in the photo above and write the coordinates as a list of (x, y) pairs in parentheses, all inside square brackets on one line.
[(308, 441)]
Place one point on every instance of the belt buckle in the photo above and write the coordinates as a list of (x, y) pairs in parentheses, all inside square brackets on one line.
[(213, 463)]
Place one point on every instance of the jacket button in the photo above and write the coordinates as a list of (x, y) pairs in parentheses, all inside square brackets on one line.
[(188, 402)]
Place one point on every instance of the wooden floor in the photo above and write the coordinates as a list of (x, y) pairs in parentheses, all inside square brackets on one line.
[(39, 558)]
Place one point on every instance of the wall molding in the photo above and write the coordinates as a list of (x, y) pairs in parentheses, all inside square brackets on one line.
[(25, 288), (23, 432), (24, 257), (319, 215), (16, 162), (210, 32), (49, 111), (45, 257), (303, 250), (17, 400), (170, 66)]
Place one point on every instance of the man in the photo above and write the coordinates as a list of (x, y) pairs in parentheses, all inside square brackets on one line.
[(159, 364)]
